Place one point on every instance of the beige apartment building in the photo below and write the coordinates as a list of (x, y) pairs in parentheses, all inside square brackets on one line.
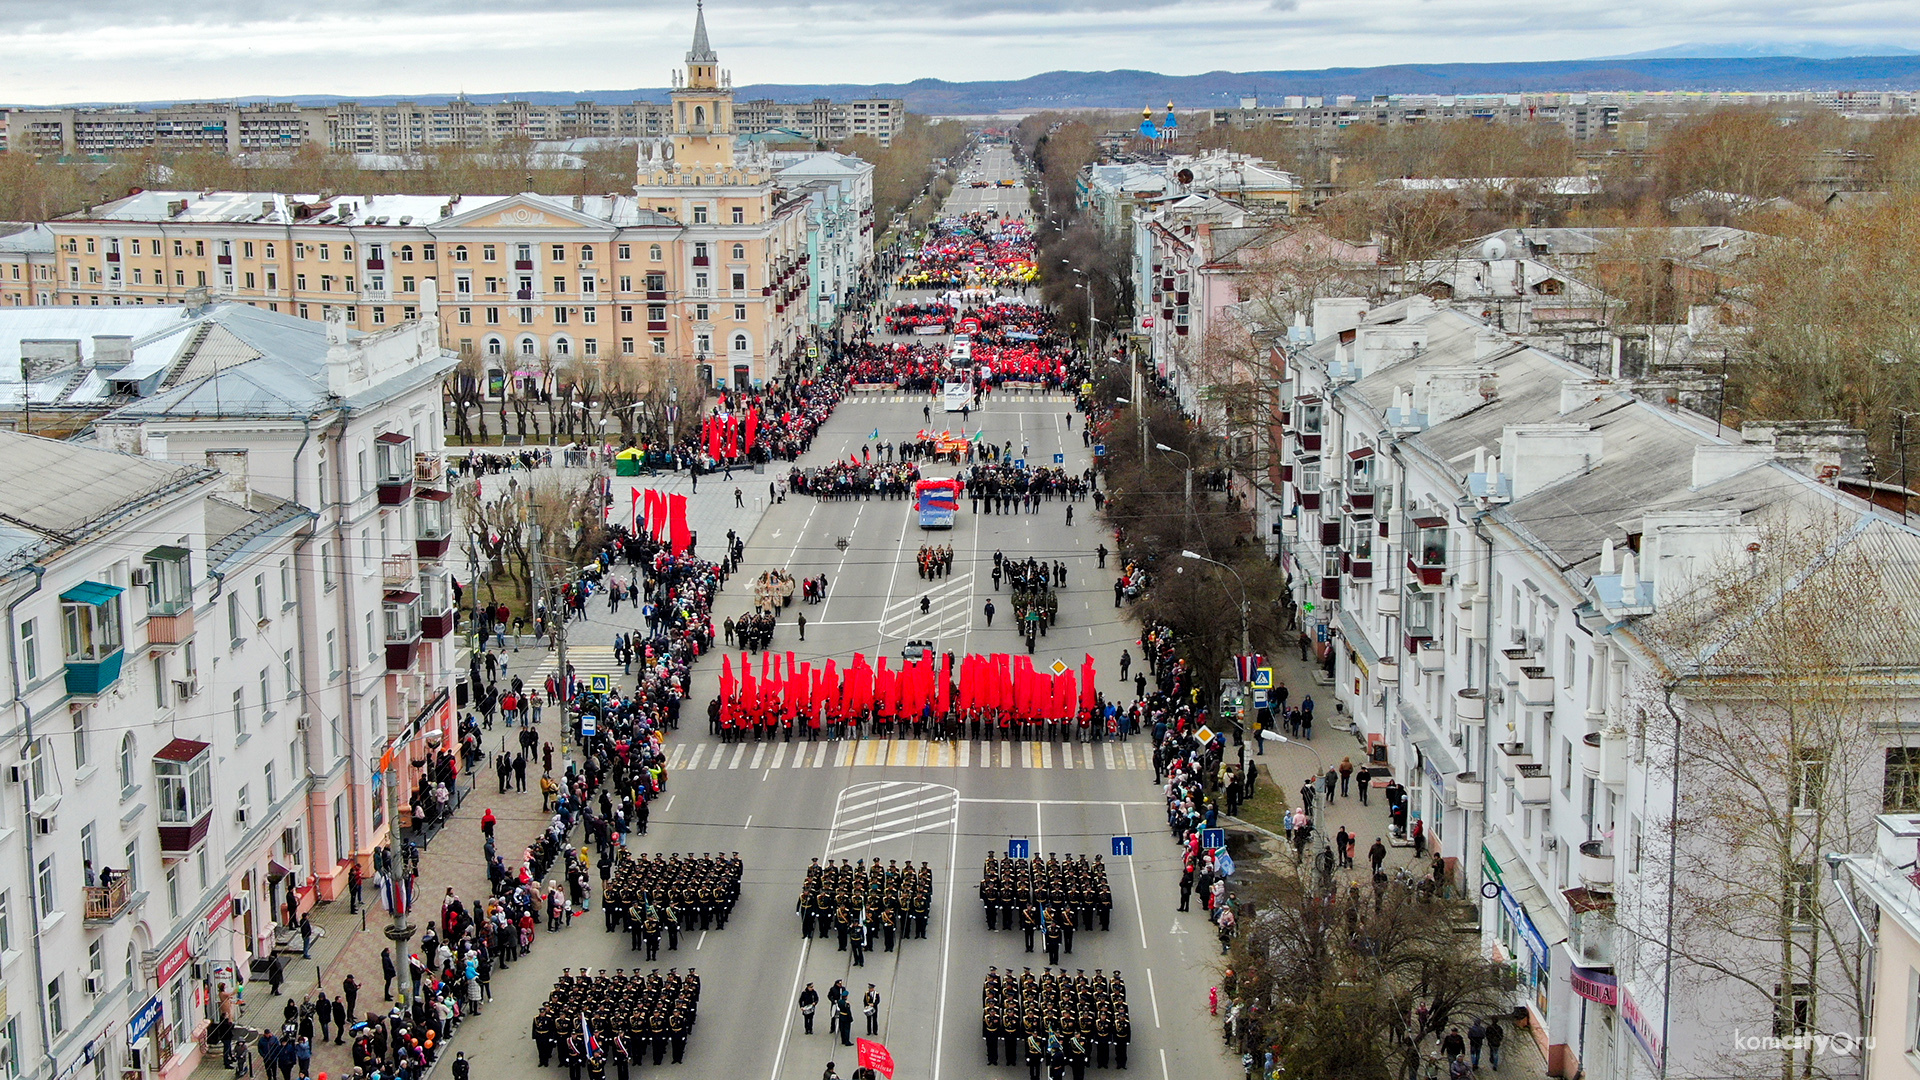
[(705, 262)]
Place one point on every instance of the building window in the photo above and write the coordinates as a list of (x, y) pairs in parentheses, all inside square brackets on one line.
[(739, 313), (1793, 1010), (82, 749), (699, 215), (626, 346), (128, 748), (739, 218), (653, 253), (173, 890), (44, 881), (29, 651), (459, 253), (739, 343), (56, 1009), (1902, 791), (739, 282), (464, 316), (624, 251), (240, 710), (6, 921), (590, 346), (659, 346), (1807, 778), (379, 316), (739, 252), (701, 313)]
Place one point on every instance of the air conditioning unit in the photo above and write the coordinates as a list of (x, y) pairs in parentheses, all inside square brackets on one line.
[(240, 905), (300, 722), (1459, 739), (240, 816), (186, 688), (1549, 842), (141, 577), (96, 982), (44, 824)]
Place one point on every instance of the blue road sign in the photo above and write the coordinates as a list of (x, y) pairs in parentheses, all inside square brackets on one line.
[(1099, 449), (1017, 849), (1019, 463), (600, 684), (1320, 633), (1059, 459), (589, 726), (1212, 839), (1122, 845)]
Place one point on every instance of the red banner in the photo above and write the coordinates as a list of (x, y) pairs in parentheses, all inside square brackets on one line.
[(677, 523), (874, 1056)]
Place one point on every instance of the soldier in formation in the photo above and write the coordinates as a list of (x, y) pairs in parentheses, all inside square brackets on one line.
[(866, 904), (664, 895), (1062, 1021), (1071, 893), (594, 1022)]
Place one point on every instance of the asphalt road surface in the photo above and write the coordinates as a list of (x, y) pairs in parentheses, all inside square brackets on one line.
[(946, 804), (991, 165)]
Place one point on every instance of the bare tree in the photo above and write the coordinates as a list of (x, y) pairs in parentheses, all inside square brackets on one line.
[(1774, 706)]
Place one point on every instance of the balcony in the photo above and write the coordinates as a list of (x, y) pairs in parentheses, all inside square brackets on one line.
[(659, 327), (432, 520), (1590, 935), (1387, 670), (701, 260), (428, 468), (523, 294), (1512, 756), (376, 264), (172, 629), (656, 294), (183, 769), (1358, 567), (1390, 602), (1329, 588), (1468, 792), (1534, 783), (1513, 662), (1536, 686), (1359, 497), (1310, 500), (106, 902), (1427, 557), (1330, 533), (396, 571), (523, 264), (92, 677), (403, 629), (1595, 865), (1432, 656), (1470, 705)]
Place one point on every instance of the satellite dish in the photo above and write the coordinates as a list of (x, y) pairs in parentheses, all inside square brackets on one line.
[(1494, 248)]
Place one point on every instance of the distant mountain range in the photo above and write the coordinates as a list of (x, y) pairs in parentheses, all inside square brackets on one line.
[(1137, 89), (1819, 50)]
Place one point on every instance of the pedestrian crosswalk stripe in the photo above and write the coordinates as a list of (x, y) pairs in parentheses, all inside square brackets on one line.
[(585, 659), (908, 754)]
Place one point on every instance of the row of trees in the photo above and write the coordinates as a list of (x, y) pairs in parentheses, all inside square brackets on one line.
[(901, 170), (589, 397)]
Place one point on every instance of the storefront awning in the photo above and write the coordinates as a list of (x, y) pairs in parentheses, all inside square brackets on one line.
[(1543, 928)]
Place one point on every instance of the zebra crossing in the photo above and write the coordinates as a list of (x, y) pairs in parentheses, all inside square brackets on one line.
[(949, 612), (909, 754), (586, 660)]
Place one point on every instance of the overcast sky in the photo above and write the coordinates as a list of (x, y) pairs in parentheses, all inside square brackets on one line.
[(120, 50)]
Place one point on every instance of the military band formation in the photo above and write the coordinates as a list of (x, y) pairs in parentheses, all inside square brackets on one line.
[(865, 905), (601, 1022), (1063, 1022), (1032, 894)]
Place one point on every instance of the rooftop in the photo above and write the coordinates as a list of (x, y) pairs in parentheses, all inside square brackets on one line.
[(59, 493)]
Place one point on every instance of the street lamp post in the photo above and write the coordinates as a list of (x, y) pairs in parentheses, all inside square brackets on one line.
[(1165, 449)]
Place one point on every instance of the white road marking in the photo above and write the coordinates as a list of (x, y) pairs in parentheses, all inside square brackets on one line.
[(1134, 874), (694, 761), (738, 753), (759, 754), (1154, 996)]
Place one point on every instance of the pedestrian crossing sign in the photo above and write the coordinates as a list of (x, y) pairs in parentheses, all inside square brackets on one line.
[(1263, 678), (1122, 846), (1058, 668), (1018, 849), (1213, 839), (599, 684), (1205, 735), (813, 352)]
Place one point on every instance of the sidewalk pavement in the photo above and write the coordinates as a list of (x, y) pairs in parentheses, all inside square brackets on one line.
[(352, 943)]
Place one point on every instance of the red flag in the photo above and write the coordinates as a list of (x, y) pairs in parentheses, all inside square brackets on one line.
[(726, 678), (733, 438), (1086, 683), (715, 447), (633, 516), (874, 1056), (677, 523), (753, 425), (944, 705)]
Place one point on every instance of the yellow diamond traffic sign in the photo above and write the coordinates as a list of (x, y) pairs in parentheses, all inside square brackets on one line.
[(1058, 668), (1205, 735)]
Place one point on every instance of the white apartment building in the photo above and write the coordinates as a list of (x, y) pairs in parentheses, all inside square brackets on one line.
[(221, 608), (1487, 532), (839, 193)]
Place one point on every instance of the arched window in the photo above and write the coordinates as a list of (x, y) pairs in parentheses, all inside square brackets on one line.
[(406, 252), (586, 252), (460, 253), (699, 116), (128, 750), (653, 253), (739, 252), (527, 346), (494, 346), (739, 343), (562, 347)]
